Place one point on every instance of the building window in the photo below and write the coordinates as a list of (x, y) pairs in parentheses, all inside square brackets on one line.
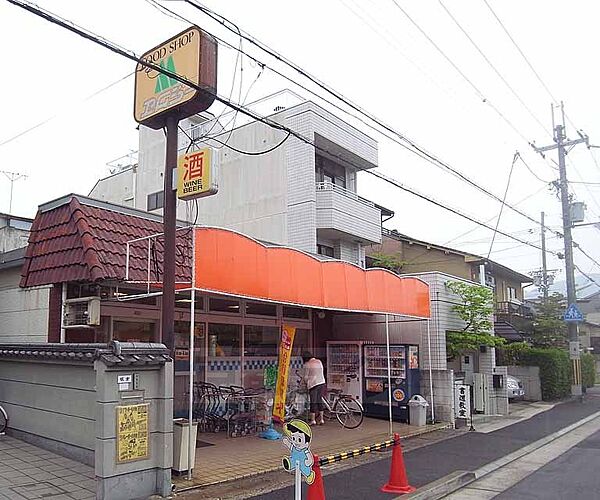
[(224, 305), (261, 340), (511, 293), (324, 250), (295, 312), (156, 201), (328, 171), (261, 309)]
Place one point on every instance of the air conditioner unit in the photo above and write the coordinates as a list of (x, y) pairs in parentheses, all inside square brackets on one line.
[(490, 280), (81, 313)]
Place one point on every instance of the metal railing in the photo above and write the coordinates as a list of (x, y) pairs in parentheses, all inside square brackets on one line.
[(506, 308), (328, 186)]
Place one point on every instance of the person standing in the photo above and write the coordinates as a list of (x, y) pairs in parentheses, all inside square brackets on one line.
[(315, 383)]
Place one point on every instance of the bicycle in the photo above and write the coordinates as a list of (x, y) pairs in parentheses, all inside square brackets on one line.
[(346, 408), (3, 420)]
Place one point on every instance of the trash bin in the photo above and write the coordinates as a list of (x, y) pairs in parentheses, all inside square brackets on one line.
[(180, 444), (417, 413)]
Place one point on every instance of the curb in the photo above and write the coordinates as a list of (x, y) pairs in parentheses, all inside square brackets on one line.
[(459, 479), (443, 486)]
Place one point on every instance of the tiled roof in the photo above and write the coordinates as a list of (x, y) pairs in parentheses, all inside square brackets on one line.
[(84, 240), (115, 353)]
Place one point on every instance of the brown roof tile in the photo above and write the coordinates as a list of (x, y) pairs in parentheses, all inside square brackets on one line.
[(81, 241)]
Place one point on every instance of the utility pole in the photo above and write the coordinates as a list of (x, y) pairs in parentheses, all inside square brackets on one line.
[(561, 142), (12, 178), (544, 266)]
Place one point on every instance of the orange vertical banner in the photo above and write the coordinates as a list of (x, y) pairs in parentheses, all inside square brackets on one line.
[(283, 370)]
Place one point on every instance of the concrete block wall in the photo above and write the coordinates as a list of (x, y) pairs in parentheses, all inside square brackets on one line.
[(140, 478), (443, 393), (499, 397), (51, 405), (530, 378)]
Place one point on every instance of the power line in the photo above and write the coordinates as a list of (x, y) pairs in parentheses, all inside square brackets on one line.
[(531, 170), (410, 145), (539, 78), (476, 89), (512, 166), (132, 56), (49, 119), (491, 65)]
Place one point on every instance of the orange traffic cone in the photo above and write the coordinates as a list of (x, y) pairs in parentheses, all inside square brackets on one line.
[(398, 482), (316, 491)]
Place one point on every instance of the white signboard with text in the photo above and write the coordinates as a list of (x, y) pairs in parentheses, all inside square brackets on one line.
[(462, 401)]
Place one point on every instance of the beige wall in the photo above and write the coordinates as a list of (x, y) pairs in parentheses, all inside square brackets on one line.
[(23, 312), (419, 258)]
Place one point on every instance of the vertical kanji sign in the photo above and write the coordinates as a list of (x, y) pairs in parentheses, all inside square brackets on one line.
[(197, 174), (285, 354), (462, 403)]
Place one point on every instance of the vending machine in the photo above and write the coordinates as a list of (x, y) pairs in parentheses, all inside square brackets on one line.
[(344, 362), (405, 379)]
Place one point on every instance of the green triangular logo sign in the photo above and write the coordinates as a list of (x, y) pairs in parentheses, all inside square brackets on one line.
[(163, 82)]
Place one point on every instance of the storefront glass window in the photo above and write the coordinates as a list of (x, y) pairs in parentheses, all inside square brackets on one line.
[(184, 299), (224, 354), (260, 351), (261, 309), (182, 362), (224, 305), (134, 331), (301, 341)]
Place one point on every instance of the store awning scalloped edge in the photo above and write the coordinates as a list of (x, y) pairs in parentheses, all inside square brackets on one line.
[(231, 263)]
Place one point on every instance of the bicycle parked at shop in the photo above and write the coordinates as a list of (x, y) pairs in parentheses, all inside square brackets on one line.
[(344, 407), (3, 420)]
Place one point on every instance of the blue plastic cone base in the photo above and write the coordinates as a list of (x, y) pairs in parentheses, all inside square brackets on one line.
[(270, 433)]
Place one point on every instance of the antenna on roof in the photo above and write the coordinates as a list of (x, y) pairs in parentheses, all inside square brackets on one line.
[(12, 178)]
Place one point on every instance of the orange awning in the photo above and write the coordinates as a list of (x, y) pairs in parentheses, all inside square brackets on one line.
[(230, 263)]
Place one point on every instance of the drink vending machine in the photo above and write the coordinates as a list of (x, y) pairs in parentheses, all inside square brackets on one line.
[(405, 379), (344, 363)]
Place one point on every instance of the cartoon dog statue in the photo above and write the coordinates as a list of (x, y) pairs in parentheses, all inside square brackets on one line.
[(297, 438)]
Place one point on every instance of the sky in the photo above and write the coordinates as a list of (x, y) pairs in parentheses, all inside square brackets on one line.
[(377, 53)]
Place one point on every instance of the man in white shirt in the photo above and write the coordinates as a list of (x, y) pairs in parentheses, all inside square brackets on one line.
[(315, 383)]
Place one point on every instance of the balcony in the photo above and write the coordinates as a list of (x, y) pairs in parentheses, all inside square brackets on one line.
[(342, 214), (518, 316)]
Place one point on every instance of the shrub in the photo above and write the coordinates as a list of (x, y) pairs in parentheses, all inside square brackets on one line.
[(555, 370), (510, 354), (588, 370)]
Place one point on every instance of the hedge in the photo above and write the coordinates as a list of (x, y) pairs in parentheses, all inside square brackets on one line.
[(588, 370), (555, 370)]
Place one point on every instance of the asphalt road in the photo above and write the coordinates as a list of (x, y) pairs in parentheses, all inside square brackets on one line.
[(573, 475), (465, 452)]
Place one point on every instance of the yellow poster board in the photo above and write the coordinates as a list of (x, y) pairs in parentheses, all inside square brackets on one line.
[(133, 432), (285, 355)]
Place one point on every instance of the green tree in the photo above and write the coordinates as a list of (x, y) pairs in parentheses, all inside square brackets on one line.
[(392, 262), (476, 311), (549, 328)]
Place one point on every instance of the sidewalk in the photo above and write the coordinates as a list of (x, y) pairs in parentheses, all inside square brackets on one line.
[(29, 472), (468, 451)]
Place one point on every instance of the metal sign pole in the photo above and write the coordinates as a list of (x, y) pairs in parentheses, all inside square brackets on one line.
[(298, 483), (169, 228), (191, 442), (430, 371), (389, 370)]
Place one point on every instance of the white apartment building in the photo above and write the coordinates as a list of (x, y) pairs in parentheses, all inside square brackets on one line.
[(294, 195)]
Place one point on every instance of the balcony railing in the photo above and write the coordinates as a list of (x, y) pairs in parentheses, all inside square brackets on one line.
[(328, 186), (511, 309)]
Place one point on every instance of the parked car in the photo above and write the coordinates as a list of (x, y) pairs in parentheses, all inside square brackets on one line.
[(514, 387)]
